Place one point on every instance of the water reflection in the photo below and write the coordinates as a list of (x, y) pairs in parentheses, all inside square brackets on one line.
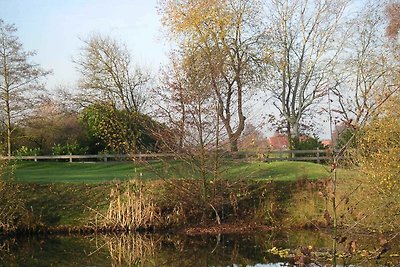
[(180, 250)]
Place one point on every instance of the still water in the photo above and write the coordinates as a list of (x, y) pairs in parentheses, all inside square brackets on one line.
[(257, 249)]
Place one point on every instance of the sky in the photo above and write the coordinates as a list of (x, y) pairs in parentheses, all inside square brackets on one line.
[(55, 29)]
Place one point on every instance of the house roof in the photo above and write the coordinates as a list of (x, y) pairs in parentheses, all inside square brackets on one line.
[(278, 141)]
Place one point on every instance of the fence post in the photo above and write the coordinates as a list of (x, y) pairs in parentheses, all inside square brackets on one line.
[(318, 159), (35, 158), (105, 158), (70, 158)]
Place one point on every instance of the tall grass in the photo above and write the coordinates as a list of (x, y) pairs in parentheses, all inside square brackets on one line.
[(131, 208)]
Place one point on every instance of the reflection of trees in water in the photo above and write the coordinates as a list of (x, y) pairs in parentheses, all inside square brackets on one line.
[(181, 250), (131, 249), (200, 250), (4, 249)]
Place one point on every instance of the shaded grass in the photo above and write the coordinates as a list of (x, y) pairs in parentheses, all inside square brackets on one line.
[(62, 172), (65, 204)]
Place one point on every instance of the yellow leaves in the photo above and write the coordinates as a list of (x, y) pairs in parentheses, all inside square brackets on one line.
[(283, 253), (379, 153), (198, 18)]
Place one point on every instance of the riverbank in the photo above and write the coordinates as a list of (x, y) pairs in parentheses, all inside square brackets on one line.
[(181, 206)]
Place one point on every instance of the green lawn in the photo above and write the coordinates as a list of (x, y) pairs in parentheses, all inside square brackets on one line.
[(62, 172)]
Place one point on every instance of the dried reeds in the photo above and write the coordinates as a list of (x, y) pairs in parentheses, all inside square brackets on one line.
[(131, 208)]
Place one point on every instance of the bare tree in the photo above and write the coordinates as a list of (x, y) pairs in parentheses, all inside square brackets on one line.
[(305, 48), (171, 98), (223, 37), (187, 106), (19, 80), (367, 76), (108, 74)]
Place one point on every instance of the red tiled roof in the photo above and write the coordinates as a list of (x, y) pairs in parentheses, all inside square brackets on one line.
[(278, 141), (327, 142)]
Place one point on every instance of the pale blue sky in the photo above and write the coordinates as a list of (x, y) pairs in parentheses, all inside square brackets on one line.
[(53, 27)]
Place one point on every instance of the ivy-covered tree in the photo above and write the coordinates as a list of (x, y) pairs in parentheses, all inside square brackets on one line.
[(122, 131)]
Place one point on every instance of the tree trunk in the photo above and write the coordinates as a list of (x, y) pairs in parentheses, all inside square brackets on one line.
[(8, 112), (8, 138), (234, 145)]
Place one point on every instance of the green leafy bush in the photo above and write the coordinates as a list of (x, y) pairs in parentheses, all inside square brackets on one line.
[(26, 151), (67, 149), (309, 143)]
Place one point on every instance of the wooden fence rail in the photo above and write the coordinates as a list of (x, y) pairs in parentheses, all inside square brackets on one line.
[(104, 157), (316, 155)]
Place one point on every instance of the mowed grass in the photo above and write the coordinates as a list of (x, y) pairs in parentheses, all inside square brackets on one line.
[(63, 172), (279, 171)]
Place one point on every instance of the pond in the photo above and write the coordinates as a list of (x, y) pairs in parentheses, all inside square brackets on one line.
[(256, 249)]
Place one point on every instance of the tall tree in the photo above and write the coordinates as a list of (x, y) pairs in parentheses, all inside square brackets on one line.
[(303, 36), (366, 79), (108, 74), (223, 38), (19, 80)]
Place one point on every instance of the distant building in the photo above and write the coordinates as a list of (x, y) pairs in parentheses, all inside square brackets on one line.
[(278, 141), (327, 142), (281, 141)]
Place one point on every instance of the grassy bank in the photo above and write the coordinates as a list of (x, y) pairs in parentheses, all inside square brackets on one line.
[(62, 172), (280, 194)]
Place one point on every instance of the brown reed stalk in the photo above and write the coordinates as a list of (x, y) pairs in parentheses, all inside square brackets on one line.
[(131, 207)]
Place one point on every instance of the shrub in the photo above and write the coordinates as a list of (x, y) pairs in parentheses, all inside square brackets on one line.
[(12, 208), (26, 151), (67, 149), (308, 143)]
